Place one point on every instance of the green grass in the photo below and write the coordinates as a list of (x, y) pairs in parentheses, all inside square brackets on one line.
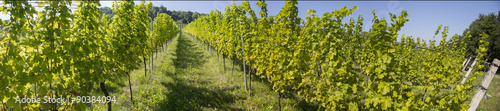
[(492, 103), (188, 77)]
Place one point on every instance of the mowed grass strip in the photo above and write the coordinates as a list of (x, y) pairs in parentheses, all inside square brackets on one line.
[(186, 76)]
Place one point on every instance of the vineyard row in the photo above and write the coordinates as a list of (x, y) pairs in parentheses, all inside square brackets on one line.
[(335, 64)]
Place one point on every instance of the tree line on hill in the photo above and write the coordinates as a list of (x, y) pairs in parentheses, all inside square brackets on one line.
[(490, 25), (184, 17)]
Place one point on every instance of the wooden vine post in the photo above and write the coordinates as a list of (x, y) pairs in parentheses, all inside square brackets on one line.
[(484, 85), (243, 56), (469, 71), (467, 63), (151, 47)]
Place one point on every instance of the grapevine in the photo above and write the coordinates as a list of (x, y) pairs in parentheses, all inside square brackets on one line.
[(332, 62)]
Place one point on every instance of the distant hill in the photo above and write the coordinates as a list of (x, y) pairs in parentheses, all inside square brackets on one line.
[(179, 16)]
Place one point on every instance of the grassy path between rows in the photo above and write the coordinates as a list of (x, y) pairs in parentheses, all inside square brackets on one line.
[(186, 76)]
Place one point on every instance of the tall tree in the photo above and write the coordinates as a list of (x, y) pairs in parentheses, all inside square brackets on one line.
[(490, 25)]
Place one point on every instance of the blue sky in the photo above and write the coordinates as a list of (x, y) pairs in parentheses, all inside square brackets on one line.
[(424, 16)]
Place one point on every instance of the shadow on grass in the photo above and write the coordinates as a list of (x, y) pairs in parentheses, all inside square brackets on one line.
[(187, 97), (187, 55), (186, 94)]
